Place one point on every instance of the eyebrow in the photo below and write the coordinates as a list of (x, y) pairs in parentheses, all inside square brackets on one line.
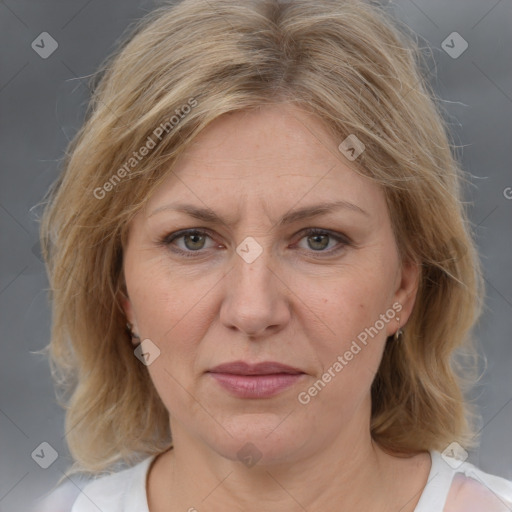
[(208, 215)]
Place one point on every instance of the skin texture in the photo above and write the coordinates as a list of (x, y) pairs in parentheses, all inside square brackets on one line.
[(298, 303)]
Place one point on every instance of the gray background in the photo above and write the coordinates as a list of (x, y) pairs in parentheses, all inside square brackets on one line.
[(41, 106)]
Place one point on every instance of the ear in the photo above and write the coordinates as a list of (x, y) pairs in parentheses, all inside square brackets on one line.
[(128, 311), (408, 276)]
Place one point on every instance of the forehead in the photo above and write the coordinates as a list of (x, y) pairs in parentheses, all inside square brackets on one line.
[(272, 133), (272, 156)]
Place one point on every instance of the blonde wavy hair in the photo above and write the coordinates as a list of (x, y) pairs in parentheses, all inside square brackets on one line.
[(346, 62)]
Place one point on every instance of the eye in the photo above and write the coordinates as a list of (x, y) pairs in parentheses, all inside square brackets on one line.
[(319, 239), (194, 241)]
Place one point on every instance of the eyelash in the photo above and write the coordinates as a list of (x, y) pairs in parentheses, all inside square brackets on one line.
[(168, 239)]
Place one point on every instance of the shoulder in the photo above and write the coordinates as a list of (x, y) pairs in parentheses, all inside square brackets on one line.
[(104, 493), (59, 498), (113, 492), (473, 490)]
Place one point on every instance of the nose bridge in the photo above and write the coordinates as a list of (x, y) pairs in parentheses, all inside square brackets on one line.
[(252, 277), (254, 300), (252, 266)]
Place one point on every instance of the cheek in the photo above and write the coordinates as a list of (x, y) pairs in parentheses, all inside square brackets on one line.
[(163, 299), (170, 311), (348, 361), (354, 301), (356, 309)]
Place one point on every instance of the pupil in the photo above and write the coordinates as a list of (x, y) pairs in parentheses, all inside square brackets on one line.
[(196, 236), (320, 236)]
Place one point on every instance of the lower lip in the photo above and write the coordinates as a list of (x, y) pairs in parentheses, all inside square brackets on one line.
[(256, 386)]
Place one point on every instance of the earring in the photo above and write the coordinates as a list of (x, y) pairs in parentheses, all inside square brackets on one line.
[(398, 334), (134, 336)]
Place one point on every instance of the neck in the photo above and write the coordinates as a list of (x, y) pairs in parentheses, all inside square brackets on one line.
[(349, 473)]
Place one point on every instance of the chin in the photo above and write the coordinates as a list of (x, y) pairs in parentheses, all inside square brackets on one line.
[(263, 439)]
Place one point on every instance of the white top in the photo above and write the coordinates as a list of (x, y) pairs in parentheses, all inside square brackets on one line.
[(472, 489)]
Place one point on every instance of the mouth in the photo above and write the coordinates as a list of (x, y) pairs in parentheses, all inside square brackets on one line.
[(261, 380)]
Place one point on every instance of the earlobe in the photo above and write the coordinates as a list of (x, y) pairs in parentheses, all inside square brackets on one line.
[(128, 311), (131, 324), (134, 336), (127, 307)]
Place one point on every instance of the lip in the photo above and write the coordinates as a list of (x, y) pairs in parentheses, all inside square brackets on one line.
[(261, 380), (264, 368)]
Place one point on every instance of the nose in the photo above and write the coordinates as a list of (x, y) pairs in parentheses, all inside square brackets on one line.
[(256, 300)]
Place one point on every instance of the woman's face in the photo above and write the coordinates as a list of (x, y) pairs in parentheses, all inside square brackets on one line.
[(257, 287)]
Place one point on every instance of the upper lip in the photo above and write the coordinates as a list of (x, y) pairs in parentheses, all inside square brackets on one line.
[(264, 368)]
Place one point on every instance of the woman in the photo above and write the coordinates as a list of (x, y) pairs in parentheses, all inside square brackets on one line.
[(262, 271)]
